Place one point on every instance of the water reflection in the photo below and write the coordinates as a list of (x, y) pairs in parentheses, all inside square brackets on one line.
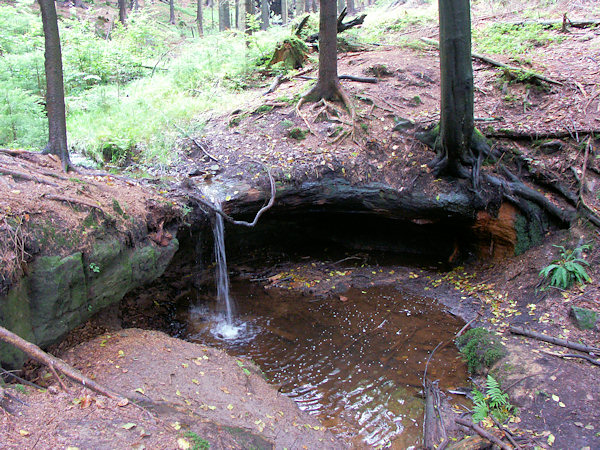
[(357, 364)]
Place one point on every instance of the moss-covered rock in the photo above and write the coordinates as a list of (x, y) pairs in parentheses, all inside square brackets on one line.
[(59, 293), (584, 318), (480, 349)]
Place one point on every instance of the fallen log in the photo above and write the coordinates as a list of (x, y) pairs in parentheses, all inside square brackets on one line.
[(508, 67), (54, 363), (537, 135), (341, 25), (555, 341), (481, 432)]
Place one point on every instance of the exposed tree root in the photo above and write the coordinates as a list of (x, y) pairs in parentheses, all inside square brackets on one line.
[(70, 200), (24, 176), (54, 364), (230, 219), (316, 94)]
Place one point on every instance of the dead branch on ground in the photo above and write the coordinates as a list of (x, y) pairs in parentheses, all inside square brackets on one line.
[(54, 363), (573, 355), (481, 432), (508, 67), (553, 340)]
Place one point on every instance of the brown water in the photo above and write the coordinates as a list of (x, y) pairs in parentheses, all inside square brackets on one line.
[(357, 364)]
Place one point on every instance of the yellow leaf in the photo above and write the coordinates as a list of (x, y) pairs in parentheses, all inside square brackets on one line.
[(555, 397), (140, 390), (183, 444), (121, 353), (230, 407), (24, 433), (177, 392), (195, 381), (176, 425), (128, 426), (551, 439)]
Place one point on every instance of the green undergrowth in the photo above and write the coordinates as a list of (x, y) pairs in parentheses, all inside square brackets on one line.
[(480, 349), (508, 39)]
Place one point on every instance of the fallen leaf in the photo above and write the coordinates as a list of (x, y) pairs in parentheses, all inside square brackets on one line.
[(183, 444), (224, 389), (551, 439), (230, 407), (128, 426), (555, 397), (140, 390), (24, 433), (195, 381), (123, 402), (176, 425), (343, 299)]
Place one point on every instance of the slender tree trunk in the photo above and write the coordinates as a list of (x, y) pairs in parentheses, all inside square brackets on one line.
[(341, 4), (199, 18), (284, 12), (55, 93), (172, 12), (248, 10), (328, 75), (224, 19), (315, 6), (299, 7), (456, 122), (351, 7), (264, 14), (122, 11), (236, 14)]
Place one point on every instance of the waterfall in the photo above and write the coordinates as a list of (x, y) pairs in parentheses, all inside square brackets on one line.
[(224, 302)]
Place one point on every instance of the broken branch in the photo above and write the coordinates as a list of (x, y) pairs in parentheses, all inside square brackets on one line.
[(553, 340), (481, 432), (55, 363)]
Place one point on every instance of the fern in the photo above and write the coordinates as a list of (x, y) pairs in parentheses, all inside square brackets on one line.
[(494, 402), (567, 269)]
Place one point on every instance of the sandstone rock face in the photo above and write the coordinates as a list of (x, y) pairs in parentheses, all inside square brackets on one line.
[(60, 293)]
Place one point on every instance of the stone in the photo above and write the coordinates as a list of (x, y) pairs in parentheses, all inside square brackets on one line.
[(584, 318)]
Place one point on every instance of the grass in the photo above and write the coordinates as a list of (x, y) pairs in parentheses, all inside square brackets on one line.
[(507, 39)]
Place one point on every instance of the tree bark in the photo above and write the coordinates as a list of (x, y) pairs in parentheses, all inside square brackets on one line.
[(55, 93), (457, 121), (122, 11), (224, 19), (171, 12), (299, 7), (351, 7), (199, 18), (328, 74), (264, 14), (284, 12)]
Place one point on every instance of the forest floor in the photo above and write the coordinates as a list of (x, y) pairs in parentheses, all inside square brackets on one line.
[(504, 292)]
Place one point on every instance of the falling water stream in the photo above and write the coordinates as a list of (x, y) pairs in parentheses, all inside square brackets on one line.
[(225, 324)]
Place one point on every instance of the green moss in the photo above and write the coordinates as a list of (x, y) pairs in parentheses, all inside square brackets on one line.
[(480, 349), (530, 231), (297, 133)]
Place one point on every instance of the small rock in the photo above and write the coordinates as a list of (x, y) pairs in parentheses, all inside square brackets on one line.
[(584, 318)]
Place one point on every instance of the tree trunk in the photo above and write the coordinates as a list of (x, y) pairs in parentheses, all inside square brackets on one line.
[(199, 18), (171, 12), (248, 10), (457, 121), (299, 7), (328, 76), (340, 6), (122, 11), (224, 19), (264, 14), (351, 7), (55, 93), (284, 12), (236, 14)]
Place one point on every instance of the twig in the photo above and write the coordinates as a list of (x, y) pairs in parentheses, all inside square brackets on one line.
[(555, 341), (589, 102), (196, 143), (18, 378), (24, 176), (583, 169), (463, 329), (481, 432)]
